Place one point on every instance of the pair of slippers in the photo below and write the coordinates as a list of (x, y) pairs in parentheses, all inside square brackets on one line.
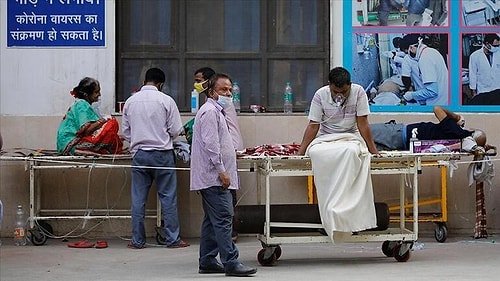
[(100, 244)]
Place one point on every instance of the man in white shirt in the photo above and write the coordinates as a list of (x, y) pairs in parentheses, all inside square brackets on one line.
[(150, 122), (484, 71)]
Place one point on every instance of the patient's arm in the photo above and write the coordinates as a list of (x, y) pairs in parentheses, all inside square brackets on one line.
[(441, 113), (366, 133), (309, 134)]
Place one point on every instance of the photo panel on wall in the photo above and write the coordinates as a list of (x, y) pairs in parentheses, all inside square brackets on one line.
[(480, 77), (402, 69), (414, 13)]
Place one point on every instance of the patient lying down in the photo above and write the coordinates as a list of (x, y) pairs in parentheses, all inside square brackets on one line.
[(396, 136), (388, 93)]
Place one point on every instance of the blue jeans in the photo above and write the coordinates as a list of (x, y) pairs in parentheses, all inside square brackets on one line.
[(166, 184), (217, 227)]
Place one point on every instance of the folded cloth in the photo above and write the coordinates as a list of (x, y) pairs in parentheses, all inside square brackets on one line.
[(387, 98), (481, 170), (182, 151), (341, 169)]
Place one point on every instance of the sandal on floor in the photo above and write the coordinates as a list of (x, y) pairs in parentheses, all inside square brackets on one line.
[(181, 244), (81, 244), (132, 246), (101, 244)]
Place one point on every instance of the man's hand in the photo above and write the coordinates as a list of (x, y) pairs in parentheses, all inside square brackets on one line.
[(226, 180)]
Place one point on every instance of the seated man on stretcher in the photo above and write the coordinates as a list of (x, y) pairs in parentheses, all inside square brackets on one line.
[(396, 136), (340, 154)]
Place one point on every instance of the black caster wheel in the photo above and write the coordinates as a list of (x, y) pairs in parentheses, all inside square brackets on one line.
[(275, 248), (37, 237), (160, 236), (277, 252), (441, 232), (266, 260), (402, 252), (388, 248)]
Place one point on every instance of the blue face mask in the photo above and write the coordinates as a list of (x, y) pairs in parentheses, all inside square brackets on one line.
[(224, 101)]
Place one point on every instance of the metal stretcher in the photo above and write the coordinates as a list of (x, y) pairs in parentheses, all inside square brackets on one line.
[(39, 230), (439, 218), (397, 241)]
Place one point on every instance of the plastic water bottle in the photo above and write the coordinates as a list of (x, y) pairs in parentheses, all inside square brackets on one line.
[(195, 101), (236, 97), (19, 230), (288, 99)]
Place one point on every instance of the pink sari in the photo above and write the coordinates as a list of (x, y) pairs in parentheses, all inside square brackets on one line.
[(104, 140)]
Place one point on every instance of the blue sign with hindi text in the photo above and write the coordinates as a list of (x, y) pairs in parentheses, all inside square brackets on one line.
[(55, 23)]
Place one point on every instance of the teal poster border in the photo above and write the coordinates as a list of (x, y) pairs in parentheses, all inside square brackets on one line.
[(454, 29)]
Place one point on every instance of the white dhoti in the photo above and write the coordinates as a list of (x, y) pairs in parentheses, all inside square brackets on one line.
[(341, 168)]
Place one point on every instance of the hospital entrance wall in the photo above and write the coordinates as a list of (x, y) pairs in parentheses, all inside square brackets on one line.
[(68, 188)]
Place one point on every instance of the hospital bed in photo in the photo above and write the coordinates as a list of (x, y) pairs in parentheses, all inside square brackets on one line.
[(39, 229), (396, 241)]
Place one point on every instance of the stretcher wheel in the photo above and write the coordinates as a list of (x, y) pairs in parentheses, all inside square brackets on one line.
[(160, 236), (265, 259), (388, 248), (161, 239), (275, 248), (441, 232), (402, 252), (37, 237), (277, 252)]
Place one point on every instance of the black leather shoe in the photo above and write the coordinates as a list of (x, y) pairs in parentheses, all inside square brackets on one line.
[(214, 268), (241, 270)]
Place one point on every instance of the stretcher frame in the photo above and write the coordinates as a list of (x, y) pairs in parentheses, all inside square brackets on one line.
[(439, 218), (397, 241), (35, 164), (402, 163)]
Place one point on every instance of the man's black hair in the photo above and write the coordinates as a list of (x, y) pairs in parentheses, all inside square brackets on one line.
[(339, 77), (206, 72), (154, 75)]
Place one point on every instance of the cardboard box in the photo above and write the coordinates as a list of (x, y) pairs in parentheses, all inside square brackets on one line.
[(435, 146)]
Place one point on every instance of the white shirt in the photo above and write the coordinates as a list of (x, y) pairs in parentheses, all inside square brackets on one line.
[(151, 120), (338, 119), (484, 77)]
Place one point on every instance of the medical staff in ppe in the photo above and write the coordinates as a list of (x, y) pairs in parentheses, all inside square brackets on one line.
[(433, 72)]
